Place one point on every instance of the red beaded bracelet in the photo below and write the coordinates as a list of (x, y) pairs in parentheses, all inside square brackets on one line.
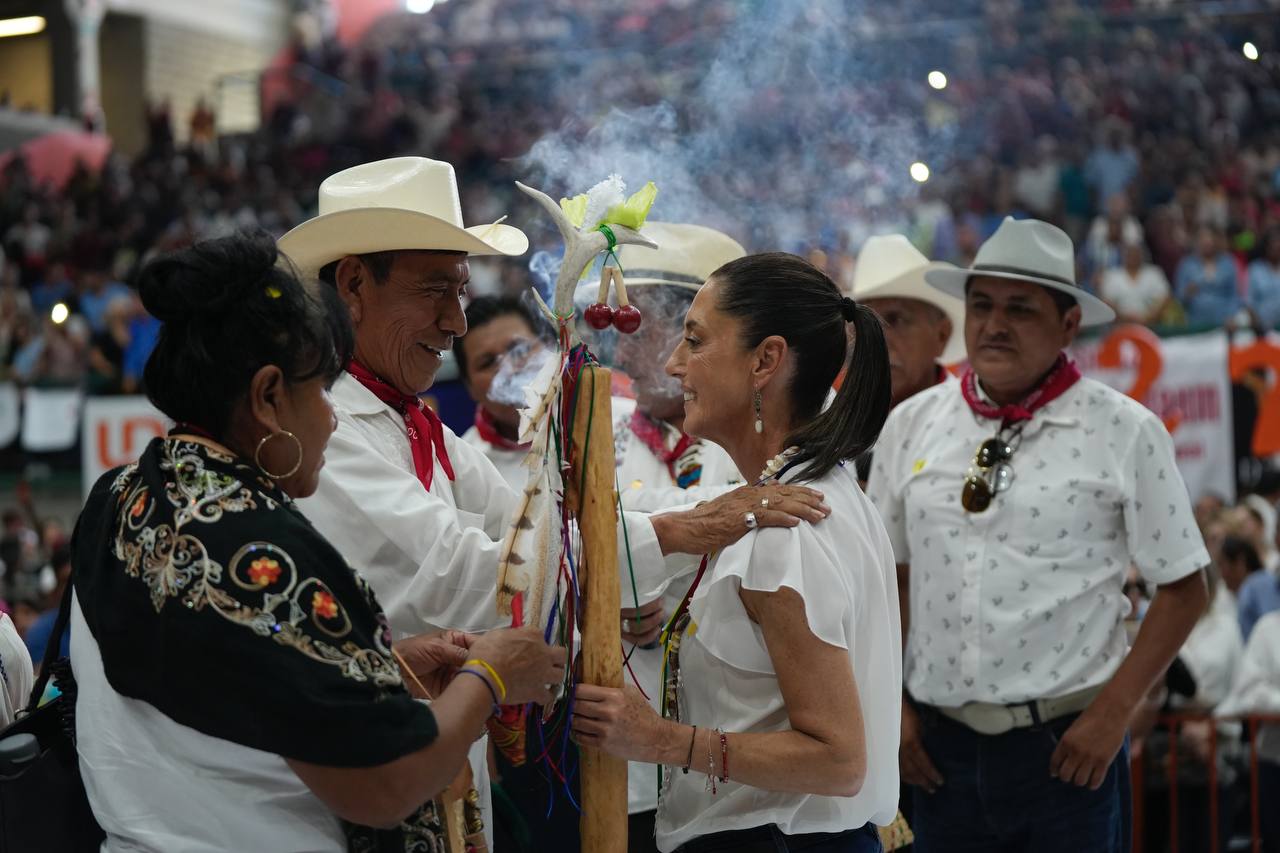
[(724, 756)]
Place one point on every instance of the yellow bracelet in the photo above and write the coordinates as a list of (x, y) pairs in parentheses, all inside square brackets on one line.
[(502, 688)]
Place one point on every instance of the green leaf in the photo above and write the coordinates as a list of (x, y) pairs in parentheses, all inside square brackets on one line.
[(575, 208), (631, 213)]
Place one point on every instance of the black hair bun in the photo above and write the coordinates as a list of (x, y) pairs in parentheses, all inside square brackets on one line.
[(207, 280)]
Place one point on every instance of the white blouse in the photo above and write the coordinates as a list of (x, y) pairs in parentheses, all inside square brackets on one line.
[(646, 485), (844, 570), (157, 786)]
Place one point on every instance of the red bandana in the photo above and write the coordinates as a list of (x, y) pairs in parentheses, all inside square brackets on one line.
[(423, 425), (650, 434), (1063, 375), (489, 432)]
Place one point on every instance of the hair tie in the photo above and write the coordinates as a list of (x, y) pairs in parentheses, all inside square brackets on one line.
[(849, 309)]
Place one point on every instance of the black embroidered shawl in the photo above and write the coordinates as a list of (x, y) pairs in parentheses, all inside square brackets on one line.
[(214, 600)]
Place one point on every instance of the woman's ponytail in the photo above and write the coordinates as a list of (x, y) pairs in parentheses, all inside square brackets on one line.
[(852, 423)]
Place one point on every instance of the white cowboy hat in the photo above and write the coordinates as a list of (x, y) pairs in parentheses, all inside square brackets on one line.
[(387, 205), (889, 267), (1028, 250), (686, 256)]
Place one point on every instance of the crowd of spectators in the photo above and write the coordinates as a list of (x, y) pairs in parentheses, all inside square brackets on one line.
[(1227, 669)]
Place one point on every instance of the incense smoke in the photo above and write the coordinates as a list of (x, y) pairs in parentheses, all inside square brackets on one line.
[(796, 131), (794, 126)]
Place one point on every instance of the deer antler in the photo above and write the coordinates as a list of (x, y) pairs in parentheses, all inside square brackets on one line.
[(580, 248)]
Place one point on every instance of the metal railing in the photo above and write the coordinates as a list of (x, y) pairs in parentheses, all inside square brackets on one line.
[(1173, 723)]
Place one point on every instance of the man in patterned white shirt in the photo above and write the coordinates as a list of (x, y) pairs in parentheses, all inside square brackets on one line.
[(1015, 501)]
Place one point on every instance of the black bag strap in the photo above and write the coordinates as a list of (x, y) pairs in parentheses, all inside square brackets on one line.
[(54, 646)]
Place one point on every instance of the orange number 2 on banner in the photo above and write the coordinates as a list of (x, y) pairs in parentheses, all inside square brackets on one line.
[(1266, 433), (1146, 371)]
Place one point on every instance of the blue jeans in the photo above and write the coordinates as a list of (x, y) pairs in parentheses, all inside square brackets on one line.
[(998, 797), (770, 839)]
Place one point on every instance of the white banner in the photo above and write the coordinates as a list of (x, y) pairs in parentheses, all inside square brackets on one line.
[(50, 418), (116, 431), (10, 413), (1185, 381)]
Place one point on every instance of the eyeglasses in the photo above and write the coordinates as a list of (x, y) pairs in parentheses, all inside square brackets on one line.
[(989, 474)]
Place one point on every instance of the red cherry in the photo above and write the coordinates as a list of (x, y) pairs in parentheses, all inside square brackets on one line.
[(627, 319), (599, 316)]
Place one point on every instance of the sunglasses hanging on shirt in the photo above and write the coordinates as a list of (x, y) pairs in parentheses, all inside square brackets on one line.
[(990, 472)]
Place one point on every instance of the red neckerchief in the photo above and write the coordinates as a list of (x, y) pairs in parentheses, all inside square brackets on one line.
[(423, 425), (650, 435), (1063, 375), (489, 432)]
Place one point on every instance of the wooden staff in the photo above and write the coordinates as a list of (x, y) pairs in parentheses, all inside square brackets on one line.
[(604, 777)]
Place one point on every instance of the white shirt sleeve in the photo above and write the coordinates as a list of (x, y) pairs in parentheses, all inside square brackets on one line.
[(428, 568), (478, 486), (433, 565), (1164, 541), (664, 498)]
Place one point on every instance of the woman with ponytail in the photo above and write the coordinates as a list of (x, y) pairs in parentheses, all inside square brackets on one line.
[(783, 677)]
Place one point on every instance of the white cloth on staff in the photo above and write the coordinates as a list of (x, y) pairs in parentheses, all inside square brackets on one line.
[(215, 795), (843, 568), (1025, 601), (645, 484)]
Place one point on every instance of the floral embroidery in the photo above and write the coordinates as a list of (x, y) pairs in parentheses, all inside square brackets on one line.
[(264, 571), (323, 603), (174, 563)]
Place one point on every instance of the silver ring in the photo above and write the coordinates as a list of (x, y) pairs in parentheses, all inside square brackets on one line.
[(750, 519), (764, 502)]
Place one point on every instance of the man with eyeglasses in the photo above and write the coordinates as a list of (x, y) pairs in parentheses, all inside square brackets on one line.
[(1016, 501)]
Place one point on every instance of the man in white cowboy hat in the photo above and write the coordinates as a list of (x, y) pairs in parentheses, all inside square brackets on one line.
[(417, 512), (1016, 500), (659, 466), (923, 327)]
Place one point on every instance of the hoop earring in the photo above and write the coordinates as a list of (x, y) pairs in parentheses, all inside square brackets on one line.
[(257, 455), (759, 420)]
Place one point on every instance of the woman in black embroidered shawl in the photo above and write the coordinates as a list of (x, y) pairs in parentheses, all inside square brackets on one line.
[(238, 685)]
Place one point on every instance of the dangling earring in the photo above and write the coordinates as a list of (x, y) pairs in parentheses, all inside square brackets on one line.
[(759, 420), (257, 454)]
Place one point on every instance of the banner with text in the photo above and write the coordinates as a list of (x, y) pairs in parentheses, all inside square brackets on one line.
[(1186, 382), (115, 431)]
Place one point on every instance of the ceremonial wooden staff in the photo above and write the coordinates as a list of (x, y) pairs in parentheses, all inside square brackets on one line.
[(604, 777), (531, 570)]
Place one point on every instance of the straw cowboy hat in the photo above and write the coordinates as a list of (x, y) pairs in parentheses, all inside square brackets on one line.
[(1028, 250), (686, 255), (889, 267), (400, 203)]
